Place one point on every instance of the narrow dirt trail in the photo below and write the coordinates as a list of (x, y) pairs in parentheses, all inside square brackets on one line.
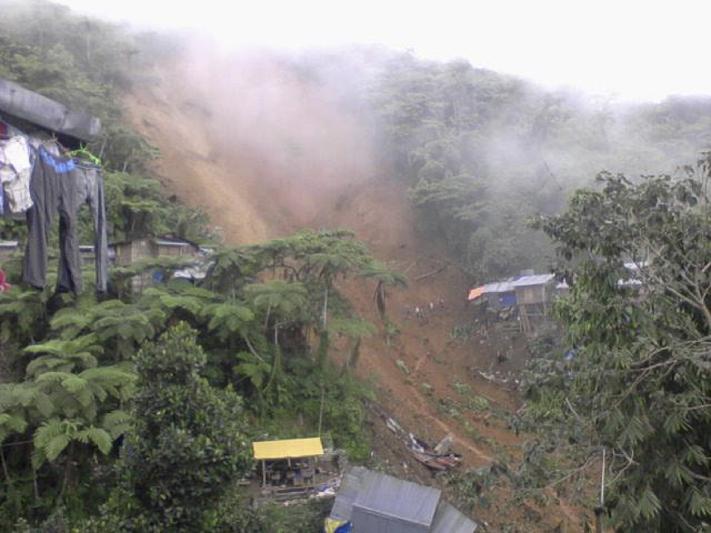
[(266, 153)]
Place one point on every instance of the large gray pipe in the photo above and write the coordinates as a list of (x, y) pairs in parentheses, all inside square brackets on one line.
[(22, 103)]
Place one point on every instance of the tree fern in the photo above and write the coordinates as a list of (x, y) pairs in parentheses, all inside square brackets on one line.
[(227, 318)]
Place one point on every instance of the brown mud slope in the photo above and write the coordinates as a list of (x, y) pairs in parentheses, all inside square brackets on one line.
[(265, 153)]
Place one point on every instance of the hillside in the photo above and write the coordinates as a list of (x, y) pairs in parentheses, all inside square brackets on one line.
[(266, 154)]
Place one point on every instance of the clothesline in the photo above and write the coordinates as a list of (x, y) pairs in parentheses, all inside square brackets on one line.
[(39, 182)]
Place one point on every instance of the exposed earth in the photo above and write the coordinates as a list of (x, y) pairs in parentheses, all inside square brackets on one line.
[(265, 152)]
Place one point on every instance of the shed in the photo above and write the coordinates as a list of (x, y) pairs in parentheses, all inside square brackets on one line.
[(500, 294), (533, 289), (386, 504), (285, 450), (378, 503), (129, 251), (175, 247)]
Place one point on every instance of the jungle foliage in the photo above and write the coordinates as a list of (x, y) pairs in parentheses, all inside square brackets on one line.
[(261, 324), (483, 152), (637, 379), (101, 398)]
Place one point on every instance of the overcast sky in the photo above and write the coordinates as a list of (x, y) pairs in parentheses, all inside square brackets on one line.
[(641, 50)]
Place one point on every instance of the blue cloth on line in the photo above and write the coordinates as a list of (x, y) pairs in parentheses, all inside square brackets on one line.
[(60, 166)]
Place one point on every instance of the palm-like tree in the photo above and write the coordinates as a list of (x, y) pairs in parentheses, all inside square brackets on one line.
[(282, 303), (384, 277)]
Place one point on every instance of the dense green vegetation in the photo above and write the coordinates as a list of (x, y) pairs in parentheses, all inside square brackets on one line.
[(638, 382), (99, 399), (483, 152)]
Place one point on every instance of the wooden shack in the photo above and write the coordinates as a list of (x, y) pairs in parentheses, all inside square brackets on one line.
[(129, 252), (534, 294), (288, 462)]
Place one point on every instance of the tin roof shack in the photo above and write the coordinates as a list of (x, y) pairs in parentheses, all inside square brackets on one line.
[(129, 252), (378, 503), (534, 294), (500, 295), (288, 466), (29, 107)]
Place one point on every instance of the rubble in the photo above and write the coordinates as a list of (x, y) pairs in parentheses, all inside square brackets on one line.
[(438, 458)]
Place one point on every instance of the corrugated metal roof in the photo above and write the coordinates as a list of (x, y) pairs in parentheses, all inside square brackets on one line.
[(449, 520), (378, 503), (287, 449), (166, 242), (394, 501), (347, 493), (536, 279), (499, 286)]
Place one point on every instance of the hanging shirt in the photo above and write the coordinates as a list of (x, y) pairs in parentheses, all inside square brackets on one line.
[(15, 172)]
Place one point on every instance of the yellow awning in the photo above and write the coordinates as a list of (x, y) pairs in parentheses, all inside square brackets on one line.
[(287, 449)]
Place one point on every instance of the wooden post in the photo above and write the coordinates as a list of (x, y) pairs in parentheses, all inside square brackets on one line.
[(320, 411), (264, 473), (600, 509)]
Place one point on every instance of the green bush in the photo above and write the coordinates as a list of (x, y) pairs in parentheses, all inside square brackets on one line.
[(189, 442)]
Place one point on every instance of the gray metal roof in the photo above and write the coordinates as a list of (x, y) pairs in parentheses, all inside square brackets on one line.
[(449, 520), (393, 497), (27, 105), (343, 505), (376, 503), (499, 286), (536, 279)]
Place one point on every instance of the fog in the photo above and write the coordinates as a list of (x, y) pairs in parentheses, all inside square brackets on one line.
[(282, 102), (633, 50)]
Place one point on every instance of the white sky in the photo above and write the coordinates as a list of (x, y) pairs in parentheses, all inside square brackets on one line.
[(634, 49)]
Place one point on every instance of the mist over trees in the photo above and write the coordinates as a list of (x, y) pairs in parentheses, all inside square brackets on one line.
[(481, 154), (638, 382)]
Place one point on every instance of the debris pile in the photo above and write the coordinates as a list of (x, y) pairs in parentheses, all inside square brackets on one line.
[(438, 458)]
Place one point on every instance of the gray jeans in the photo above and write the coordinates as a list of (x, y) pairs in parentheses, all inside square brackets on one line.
[(89, 188), (61, 186)]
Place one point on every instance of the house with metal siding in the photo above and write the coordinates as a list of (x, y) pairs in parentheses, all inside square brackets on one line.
[(377, 503)]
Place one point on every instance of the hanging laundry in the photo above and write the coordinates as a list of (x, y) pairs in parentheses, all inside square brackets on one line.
[(4, 285), (15, 173), (39, 140), (47, 175), (62, 185), (89, 186)]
